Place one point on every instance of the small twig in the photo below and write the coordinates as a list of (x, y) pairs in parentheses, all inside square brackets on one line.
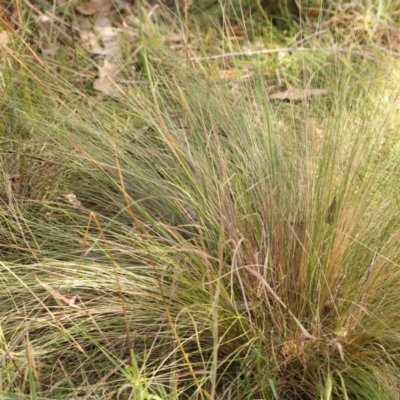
[(145, 83), (304, 39), (180, 84), (287, 50)]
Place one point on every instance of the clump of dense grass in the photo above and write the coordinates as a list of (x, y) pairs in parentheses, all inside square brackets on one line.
[(196, 240)]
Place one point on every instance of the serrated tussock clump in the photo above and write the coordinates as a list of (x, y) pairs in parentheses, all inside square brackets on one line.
[(197, 240)]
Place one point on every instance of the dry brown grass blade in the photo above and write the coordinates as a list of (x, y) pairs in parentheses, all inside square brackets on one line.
[(331, 211), (304, 331)]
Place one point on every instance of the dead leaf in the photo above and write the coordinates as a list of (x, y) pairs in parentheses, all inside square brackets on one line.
[(57, 295), (174, 37), (105, 83), (43, 19), (294, 94), (87, 8), (105, 41), (335, 342), (91, 42), (104, 7), (109, 38), (45, 46), (4, 39), (14, 177), (102, 40), (73, 200)]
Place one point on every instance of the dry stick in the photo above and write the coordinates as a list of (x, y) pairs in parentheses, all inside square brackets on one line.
[(287, 50), (313, 35), (279, 300)]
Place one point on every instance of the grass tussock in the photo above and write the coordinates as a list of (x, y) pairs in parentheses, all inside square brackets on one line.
[(192, 239)]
